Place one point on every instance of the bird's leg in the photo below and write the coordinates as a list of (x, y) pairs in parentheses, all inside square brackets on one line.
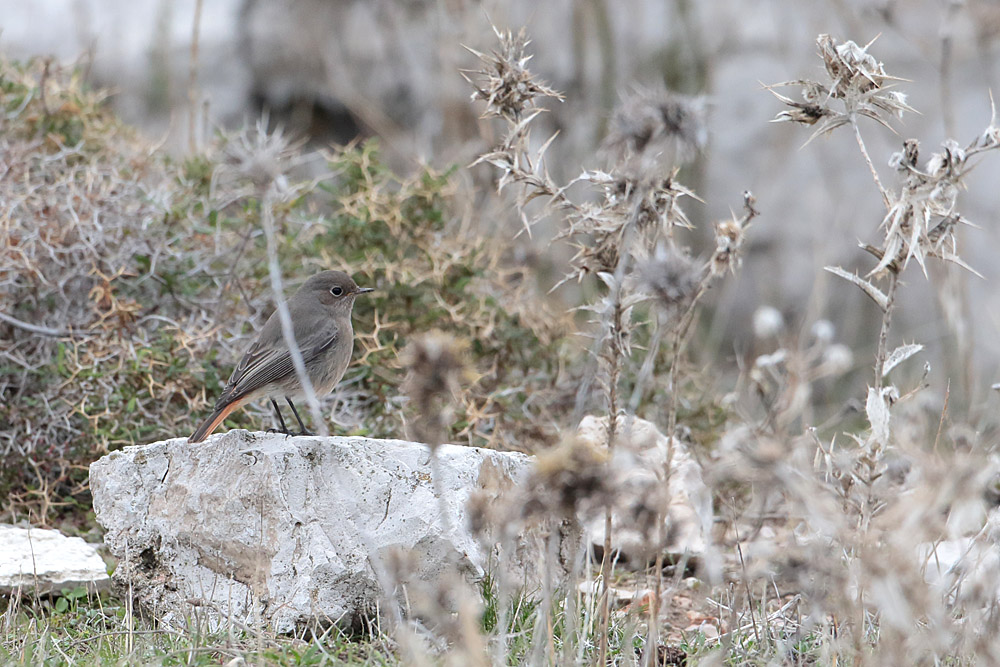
[(281, 420), (304, 430)]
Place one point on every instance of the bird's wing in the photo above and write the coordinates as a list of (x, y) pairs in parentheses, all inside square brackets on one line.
[(268, 359)]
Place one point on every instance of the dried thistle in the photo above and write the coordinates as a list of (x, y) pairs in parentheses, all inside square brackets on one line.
[(645, 202), (437, 368), (261, 156), (567, 478), (632, 216), (670, 277), (504, 82), (856, 79), (729, 238), (667, 128), (728, 242), (768, 322), (636, 210), (921, 219)]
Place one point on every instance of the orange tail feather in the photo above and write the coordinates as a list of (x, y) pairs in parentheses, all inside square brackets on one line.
[(214, 420)]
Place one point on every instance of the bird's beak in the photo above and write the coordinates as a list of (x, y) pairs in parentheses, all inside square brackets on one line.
[(364, 290)]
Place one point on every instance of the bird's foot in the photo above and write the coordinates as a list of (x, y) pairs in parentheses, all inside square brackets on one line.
[(281, 431), (304, 431)]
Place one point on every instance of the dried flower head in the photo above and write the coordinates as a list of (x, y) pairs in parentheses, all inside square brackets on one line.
[(670, 277), (504, 82), (856, 80), (663, 127), (729, 238), (921, 217), (633, 216), (261, 157), (837, 359), (823, 331), (852, 69), (572, 474), (768, 322), (437, 367), (728, 241)]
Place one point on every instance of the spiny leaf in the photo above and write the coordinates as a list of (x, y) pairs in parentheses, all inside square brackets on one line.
[(877, 410), (873, 292), (899, 355)]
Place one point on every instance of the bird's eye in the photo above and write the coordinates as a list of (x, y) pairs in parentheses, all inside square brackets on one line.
[(337, 291)]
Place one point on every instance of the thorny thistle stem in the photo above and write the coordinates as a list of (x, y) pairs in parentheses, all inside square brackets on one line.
[(677, 335), (611, 335), (729, 239), (606, 560), (868, 161), (654, 607), (883, 334)]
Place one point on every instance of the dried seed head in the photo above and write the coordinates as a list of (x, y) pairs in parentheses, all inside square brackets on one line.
[(504, 82), (601, 256), (906, 159), (949, 162), (437, 364), (262, 157), (857, 80), (670, 277), (437, 367), (768, 322), (567, 476), (851, 68), (489, 506), (921, 219), (823, 331), (655, 123), (838, 359), (652, 207), (728, 243)]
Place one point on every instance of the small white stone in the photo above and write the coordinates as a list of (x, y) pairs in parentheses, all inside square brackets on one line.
[(693, 583), (710, 631), (47, 561)]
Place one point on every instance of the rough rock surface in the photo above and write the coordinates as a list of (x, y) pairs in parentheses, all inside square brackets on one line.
[(638, 462), (255, 527), (47, 560)]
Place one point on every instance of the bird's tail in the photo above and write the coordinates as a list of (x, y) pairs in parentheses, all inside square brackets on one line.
[(210, 424)]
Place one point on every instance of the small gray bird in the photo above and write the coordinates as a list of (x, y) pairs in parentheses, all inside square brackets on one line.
[(321, 320)]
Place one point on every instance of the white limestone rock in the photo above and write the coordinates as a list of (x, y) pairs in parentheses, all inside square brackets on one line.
[(292, 530), (47, 561), (638, 466)]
